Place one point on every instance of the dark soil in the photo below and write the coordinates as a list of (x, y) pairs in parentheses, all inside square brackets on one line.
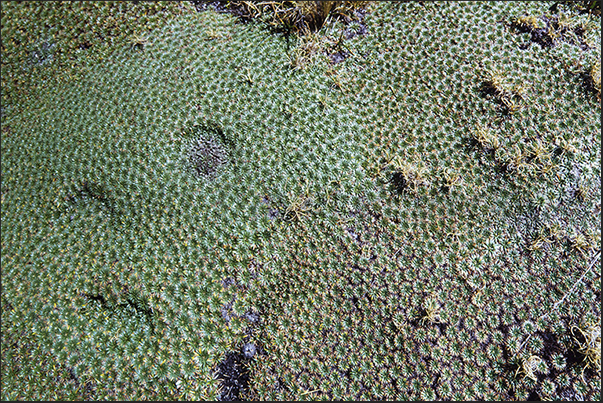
[(234, 373)]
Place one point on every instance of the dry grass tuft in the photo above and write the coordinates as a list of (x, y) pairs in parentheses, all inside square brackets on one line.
[(301, 17)]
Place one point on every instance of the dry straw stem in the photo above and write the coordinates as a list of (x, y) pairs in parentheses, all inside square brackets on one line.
[(593, 261)]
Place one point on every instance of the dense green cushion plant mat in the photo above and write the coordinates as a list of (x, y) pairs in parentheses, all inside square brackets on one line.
[(405, 206)]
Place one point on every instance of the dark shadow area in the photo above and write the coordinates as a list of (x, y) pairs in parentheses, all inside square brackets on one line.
[(548, 32), (92, 191), (234, 374), (533, 397)]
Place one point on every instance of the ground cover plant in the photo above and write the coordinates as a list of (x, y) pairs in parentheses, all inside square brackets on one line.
[(392, 200)]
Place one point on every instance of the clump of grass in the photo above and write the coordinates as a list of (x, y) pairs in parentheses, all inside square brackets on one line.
[(592, 79), (297, 207), (529, 23), (431, 312), (588, 338), (529, 366), (305, 53), (510, 96), (406, 176), (300, 17), (485, 139)]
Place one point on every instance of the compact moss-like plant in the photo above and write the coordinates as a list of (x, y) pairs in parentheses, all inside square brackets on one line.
[(402, 204)]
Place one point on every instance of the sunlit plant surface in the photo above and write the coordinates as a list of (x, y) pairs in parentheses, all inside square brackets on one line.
[(404, 204)]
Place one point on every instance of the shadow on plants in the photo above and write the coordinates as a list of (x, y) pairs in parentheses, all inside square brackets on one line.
[(133, 303), (533, 397), (509, 98), (405, 182), (89, 191)]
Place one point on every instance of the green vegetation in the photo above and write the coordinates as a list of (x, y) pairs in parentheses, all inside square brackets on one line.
[(394, 200)]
